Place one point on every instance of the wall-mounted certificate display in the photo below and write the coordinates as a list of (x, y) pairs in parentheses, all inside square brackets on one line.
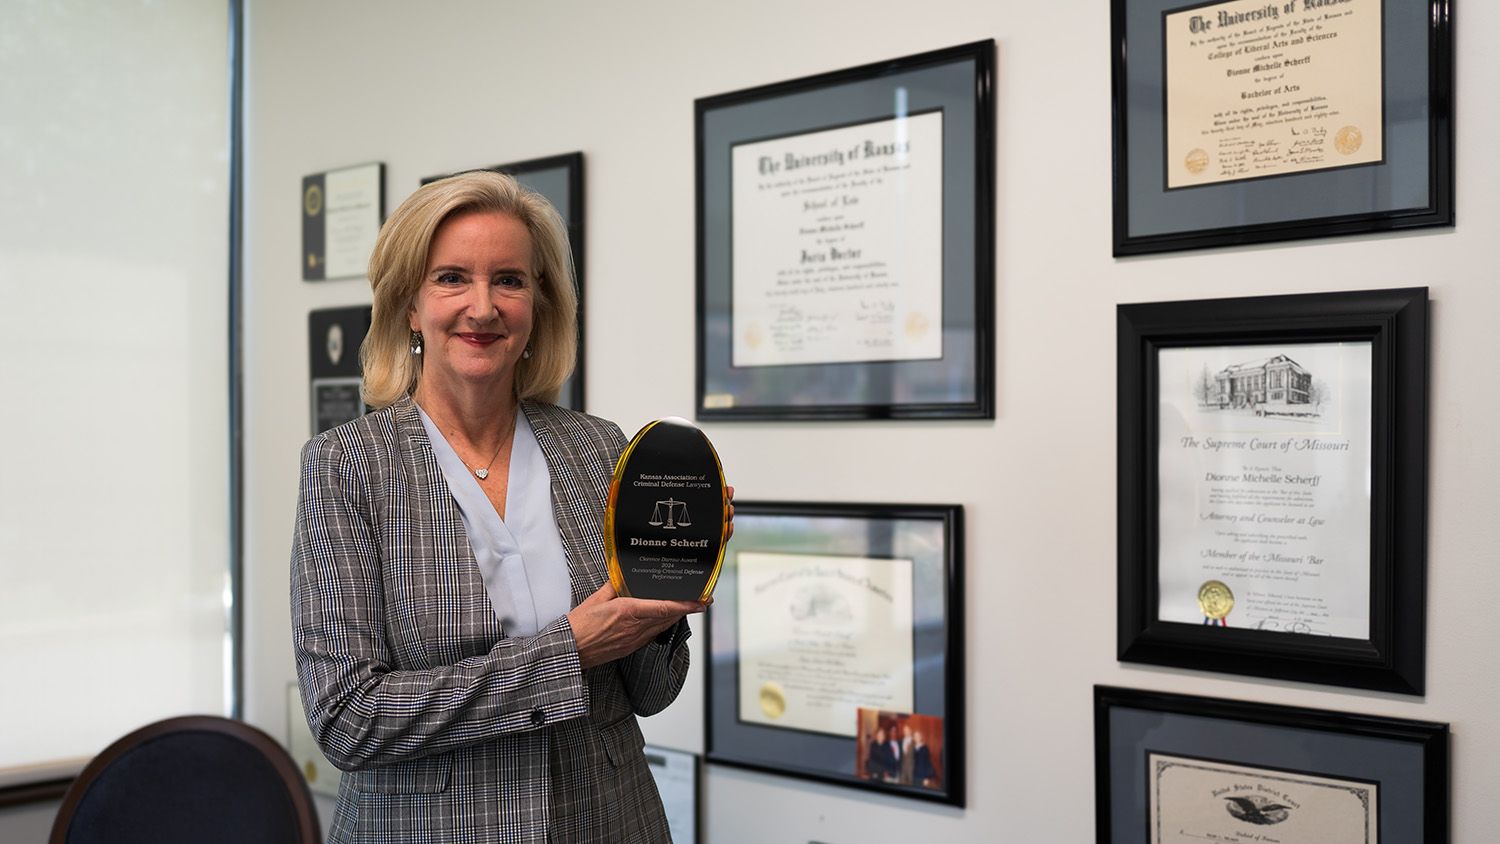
[(846, 243), (1272, 486), (559, 178), (1244, 121), (322, 777), (334, 336), (342, 211), (836, 646), (676, 775), (1173, 769)]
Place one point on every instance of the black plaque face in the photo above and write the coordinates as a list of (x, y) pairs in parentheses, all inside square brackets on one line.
[(665, 522)]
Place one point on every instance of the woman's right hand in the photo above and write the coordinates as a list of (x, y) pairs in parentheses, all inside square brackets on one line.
[(608, 627)]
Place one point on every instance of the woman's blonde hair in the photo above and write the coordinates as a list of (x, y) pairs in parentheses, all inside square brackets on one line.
[(399, 262)]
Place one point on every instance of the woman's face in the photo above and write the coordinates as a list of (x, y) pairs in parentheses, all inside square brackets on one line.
[(474, 307)]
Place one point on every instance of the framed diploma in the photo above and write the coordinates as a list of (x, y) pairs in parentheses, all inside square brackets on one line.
[(846, 243), (836, 646), (559, 178), (342, 211), (1174, 769), (1245, 121), (1272, 486)]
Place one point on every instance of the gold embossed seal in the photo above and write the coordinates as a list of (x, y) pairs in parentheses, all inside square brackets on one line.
[(1196, 161), (1348, 140), (1215, 599), (772, 701), (917, 324), (312, 200)]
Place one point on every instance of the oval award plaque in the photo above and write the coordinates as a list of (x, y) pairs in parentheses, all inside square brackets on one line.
[(665, 523)]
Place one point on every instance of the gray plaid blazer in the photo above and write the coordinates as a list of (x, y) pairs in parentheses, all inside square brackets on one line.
[(451, 731)]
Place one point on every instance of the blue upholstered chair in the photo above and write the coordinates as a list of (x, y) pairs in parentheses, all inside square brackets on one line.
[(193, 779)]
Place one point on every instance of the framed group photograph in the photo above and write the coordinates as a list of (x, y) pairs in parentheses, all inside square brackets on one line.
[(836, 647), (1174, 768), (1273, 486), (1244, 121), (559, 178), (846, 243)]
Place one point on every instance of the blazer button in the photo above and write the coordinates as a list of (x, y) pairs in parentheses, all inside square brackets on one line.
[(538, 717)]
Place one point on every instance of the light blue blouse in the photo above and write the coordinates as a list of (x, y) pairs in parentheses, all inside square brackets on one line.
[(521, 557)]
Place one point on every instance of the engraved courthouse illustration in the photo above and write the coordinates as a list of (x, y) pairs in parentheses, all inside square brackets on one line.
[(1265, 385)]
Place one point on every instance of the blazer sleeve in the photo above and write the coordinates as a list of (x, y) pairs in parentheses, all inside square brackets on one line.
[(654, 674), (362, 711)]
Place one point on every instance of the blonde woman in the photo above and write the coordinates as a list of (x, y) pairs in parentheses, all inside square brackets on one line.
[(459, 648)]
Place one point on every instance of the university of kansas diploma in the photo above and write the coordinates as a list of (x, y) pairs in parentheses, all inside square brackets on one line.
[(1195, 800), (822, 636), (1263, 472), (1269, 87), (837, 244)]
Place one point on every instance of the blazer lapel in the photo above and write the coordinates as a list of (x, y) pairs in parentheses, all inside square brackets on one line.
[(578, 522), (447, 552)]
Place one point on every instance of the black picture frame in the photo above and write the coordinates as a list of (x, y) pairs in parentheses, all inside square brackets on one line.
[(1411, 186), (931, 537), (358, 197), (959, 382), (559, 178), (1406, 760), (1394, 324)]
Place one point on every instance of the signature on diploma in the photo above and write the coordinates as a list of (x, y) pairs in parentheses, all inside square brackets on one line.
[(1278, 625)]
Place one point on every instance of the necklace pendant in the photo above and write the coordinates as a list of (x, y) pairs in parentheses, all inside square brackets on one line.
[(481, 473)]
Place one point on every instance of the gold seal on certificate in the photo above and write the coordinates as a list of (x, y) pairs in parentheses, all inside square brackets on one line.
[(668, 515), (1216, 600), (1348, 140), (772, 701)]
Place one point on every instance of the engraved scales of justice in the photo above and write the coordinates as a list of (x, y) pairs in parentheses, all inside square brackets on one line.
[(676, 515)]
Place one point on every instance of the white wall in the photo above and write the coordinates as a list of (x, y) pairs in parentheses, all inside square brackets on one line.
[(428, 88)]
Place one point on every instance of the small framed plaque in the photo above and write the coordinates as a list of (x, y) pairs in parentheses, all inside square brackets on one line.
[(1172, 768), (334, 373), (836, 647), (559, 178), (1272, 486), (846, 244), (1243, 121), (342, 211)]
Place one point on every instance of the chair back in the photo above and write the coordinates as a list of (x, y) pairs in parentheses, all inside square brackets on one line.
[(191, 779)]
